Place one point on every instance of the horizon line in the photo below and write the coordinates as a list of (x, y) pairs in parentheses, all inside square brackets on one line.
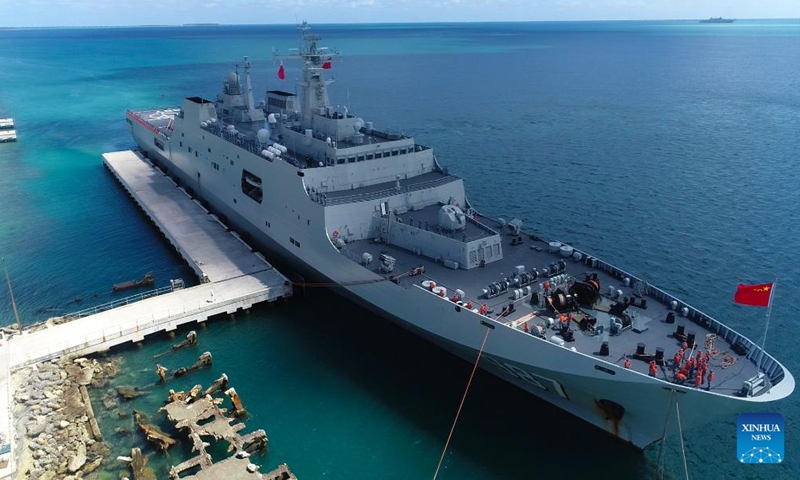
[(214, 24)]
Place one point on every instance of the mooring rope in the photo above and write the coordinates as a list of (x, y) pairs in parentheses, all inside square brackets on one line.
[(680, 432), (461, 405), (664, 435)]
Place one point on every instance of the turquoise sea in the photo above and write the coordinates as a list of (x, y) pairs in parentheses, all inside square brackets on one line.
[(667, 148)]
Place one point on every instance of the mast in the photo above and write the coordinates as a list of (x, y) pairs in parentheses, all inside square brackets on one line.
[(251, 104), (766, 326), (313, 86)]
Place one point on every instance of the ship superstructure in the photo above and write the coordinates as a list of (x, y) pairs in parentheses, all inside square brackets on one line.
[(338, 200)]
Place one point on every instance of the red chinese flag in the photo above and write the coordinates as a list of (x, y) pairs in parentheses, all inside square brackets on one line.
[(326, 65), (281, 72), (753, 295)]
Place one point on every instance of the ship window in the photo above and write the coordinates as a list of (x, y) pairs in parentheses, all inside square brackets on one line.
[(360, 158), (488, 252), (159, 144), (209, 149), (496, 249), (402, 151), (351, 159), (251, 186), (294, 242), (182, 134), (181, 143), (394, 153), (231, 162), (340, 160), (378, 155), (195, 153), (267, 224), (215, 166), (370, 156)]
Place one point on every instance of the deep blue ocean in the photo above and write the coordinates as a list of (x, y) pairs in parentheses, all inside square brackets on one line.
[(668, 148)]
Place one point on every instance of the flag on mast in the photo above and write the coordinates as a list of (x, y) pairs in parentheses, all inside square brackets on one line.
[(754, 295), (327, 65), (281, 72)]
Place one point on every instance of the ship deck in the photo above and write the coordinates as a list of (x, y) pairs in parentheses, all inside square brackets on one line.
[(653, 329)]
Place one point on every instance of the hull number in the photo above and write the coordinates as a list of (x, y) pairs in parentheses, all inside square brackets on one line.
[(538, 381)]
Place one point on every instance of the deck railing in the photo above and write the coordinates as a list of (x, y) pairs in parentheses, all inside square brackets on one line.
[(117, 303), (754, 352), (341, 199)]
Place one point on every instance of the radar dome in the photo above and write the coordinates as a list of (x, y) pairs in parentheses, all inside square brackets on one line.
[(358, 123), (233, 79), (451, 218), (263, 135)]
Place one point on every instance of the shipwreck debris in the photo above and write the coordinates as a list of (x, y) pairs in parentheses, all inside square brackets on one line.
[(238, 408), (202, 417), (203, 360), (153, 433), (138, 463), (161, 372), (190, 341), (145, 281)]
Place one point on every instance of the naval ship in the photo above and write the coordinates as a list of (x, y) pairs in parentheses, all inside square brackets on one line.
[(339, 201), (718, 20)]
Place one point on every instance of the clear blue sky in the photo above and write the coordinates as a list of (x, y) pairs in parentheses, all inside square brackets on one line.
[(34, 13)]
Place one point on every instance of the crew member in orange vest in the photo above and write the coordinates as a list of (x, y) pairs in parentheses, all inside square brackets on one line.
[(680, 377), (676, 360), (525, 327), (469, 305), (698, 379), (710, 379), (627, 363), (484, 309), (653, 368), (685, 369)]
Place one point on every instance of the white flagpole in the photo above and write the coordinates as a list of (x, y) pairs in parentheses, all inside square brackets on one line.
[(766, 326)]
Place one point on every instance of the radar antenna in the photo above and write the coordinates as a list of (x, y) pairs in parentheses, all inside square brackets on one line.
[(313, 86)]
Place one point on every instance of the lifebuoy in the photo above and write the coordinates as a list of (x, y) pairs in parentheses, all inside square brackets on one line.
[(336, 234)]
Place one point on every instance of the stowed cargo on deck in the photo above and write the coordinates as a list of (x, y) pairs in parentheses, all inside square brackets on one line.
[(528, 283)]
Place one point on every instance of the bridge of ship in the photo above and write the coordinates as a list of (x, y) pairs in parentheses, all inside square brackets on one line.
[(650, 321)]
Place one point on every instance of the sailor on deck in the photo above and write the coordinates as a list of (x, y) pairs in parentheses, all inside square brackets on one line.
[(710, 379)]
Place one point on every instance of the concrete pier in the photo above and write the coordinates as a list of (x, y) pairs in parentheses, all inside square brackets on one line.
[(234, 278)]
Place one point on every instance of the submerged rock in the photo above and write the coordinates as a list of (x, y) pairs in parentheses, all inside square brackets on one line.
[(128, 392)]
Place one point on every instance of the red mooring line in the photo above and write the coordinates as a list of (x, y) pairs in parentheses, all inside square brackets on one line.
[(455, 421)]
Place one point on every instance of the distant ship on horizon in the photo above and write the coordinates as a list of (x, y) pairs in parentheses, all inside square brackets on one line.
[(718, 20)]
